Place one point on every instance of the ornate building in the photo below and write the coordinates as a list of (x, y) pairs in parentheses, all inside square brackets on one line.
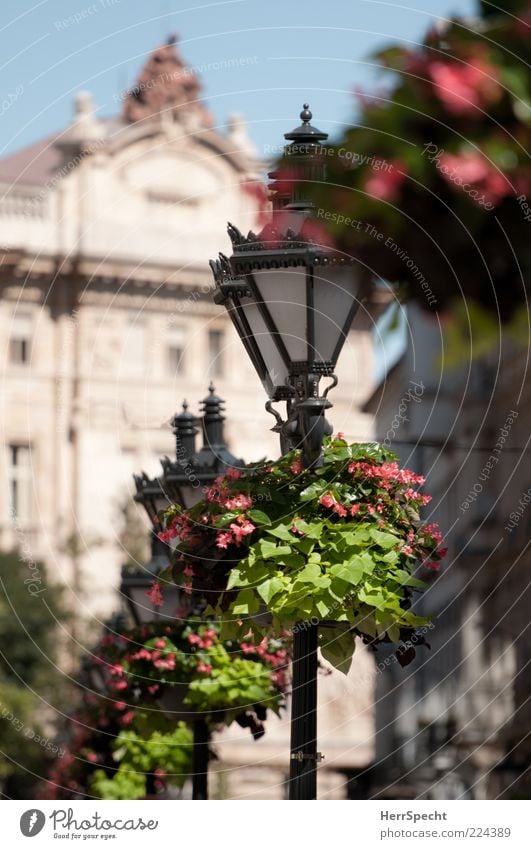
[(108, 322)]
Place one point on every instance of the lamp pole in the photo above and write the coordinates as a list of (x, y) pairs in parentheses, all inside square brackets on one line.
[(292, 298)]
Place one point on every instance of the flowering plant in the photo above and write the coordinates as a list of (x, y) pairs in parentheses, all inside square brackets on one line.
[(229, 679), (341, 543), (431, 185), (112, 749)]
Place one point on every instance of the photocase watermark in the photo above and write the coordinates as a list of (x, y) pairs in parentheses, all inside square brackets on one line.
[(19, 725), (516, 515), (169, 76), (413, 394), (83, 14), (11, 98), (485, 473), (435, 155)]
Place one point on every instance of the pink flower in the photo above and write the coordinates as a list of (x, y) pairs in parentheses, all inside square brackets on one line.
[(472, 169), (166, 536), (233, 474), (204, 668), (224, 539), (465, 88), (160, 644), (354, 509), (120, 705), (155, 595), (339, 510), (442, 552), (385, 184), (153, 688), (407, 550), (188, 571), (242, 530), (239, 502), (296, 467), (327, 500), (433, 565), (92, 757), (127, 718)]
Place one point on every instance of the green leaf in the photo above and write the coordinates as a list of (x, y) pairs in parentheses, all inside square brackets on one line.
[(259, 517), (281, 532), (225, 519), (337, 647), (271, 551), (315, 490), (270, 588), (246, 603), (383, 538), (235, 579)]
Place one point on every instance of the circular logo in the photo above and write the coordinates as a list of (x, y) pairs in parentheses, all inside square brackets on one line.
[(32, 822)]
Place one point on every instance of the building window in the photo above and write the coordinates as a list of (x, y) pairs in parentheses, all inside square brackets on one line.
[(134, 348), (215, 351), (175, 351), (20, 339), (20, 482)]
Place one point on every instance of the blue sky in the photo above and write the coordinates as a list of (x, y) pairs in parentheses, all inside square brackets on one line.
[(288, 52)]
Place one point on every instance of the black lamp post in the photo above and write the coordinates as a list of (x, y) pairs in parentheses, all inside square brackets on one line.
[(292, 300), (183, 480)]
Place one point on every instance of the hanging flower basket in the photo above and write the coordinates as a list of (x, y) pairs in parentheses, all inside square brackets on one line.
[(189, 672), (341, 544)]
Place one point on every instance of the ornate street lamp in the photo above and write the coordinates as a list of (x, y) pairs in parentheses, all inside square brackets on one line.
[(292, 298)]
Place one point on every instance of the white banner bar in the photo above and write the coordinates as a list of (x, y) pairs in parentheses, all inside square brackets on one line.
[(178, 824)]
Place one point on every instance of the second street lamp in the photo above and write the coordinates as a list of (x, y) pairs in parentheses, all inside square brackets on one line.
[(292, 298), (184, 481)]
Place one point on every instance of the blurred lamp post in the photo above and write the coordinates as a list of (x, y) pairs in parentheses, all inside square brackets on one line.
[(292, 299), (183, 480)]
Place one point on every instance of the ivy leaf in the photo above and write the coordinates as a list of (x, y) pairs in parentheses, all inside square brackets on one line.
[(337, 647)]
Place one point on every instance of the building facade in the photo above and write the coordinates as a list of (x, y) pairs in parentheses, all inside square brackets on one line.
[(455, 724)]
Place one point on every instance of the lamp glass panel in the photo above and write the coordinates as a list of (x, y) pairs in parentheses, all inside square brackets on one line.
[(276, 370), (335, 291), (283, 290), (190, 495)]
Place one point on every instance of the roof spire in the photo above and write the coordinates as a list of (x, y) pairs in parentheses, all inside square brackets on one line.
[(166, 86)]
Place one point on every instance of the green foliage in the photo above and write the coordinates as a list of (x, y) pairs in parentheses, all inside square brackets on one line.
[(160, 755), (30, 608), (341, 544), (233, 684)]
